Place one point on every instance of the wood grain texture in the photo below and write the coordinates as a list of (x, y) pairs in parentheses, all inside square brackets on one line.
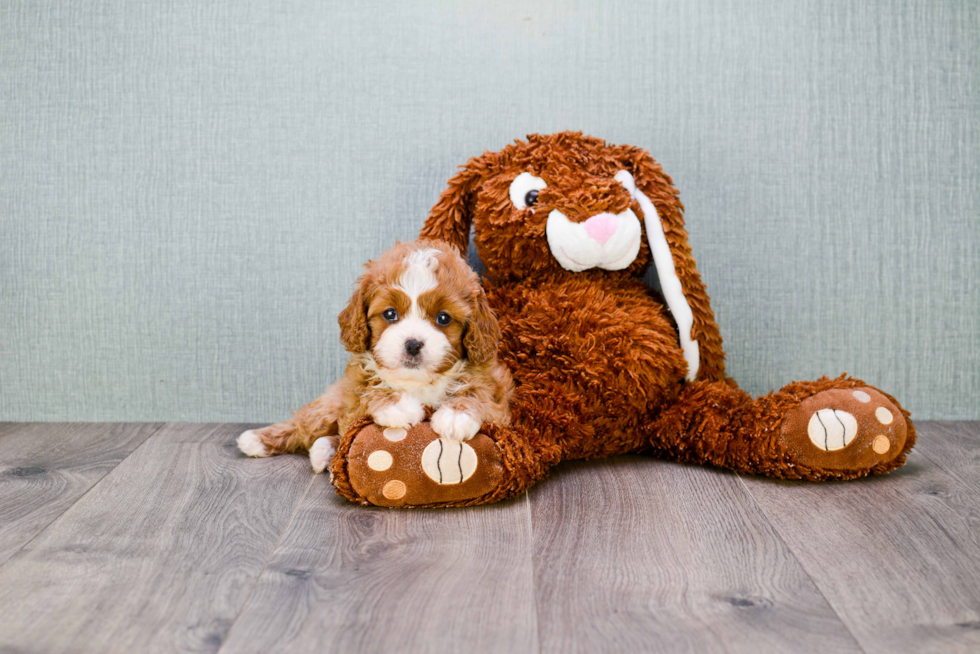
[(45, 468), (348, 578), (954, 447), (186, 545), (634, 554), (159, 556), (897, 556)]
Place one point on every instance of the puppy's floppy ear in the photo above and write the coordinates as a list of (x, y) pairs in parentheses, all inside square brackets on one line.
[(452, 215), (482, 332), (354, 331), (683, 289)]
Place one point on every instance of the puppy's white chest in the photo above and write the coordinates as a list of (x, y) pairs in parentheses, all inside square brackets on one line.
[(430, 393)]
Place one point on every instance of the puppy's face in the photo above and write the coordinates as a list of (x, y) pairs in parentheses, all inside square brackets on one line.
[(422, 310), (416, 319)]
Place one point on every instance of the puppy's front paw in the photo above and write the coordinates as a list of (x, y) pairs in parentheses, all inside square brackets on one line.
[(450, 423), (251, 444), (321, 452), (406, 412)]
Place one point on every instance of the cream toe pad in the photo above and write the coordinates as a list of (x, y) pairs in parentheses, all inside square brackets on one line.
[(395, 434), (832, 429), (380, 460), (448, 461)]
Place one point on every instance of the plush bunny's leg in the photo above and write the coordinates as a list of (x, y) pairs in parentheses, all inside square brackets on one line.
[(415, 467), (826, 429)]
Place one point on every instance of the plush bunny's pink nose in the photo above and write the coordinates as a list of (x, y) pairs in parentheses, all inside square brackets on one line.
[(601, 227)]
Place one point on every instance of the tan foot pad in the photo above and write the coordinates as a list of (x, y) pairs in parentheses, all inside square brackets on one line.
[(395, 467), (845, 429)]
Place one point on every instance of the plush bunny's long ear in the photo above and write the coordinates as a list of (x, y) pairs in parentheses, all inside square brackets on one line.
[(680, 281), (451, 217)]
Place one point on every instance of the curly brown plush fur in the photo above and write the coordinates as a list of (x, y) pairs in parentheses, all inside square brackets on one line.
[(596, 356)]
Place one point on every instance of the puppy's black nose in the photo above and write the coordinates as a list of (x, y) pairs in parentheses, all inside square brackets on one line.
[(413, 347)]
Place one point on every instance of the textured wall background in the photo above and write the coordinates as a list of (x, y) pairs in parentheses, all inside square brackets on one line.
[(188, 188)]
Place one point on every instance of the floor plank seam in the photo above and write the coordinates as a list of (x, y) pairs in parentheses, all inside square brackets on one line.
[(796, 557), (268, 559), (87, 491), (534, 593)]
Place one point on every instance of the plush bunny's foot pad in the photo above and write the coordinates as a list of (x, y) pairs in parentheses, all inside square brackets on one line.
[(415, 467), (845, 429)]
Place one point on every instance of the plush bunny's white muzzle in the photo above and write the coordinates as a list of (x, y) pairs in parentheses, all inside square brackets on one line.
[(606, 240)]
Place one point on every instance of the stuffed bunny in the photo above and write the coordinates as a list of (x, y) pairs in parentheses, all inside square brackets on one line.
[(566, 226)]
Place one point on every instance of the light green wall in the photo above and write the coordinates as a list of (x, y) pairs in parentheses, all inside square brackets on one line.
[(187, 189)]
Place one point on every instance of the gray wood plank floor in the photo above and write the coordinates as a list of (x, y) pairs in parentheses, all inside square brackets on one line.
[(131, 538), (45, 468), (668, 558)]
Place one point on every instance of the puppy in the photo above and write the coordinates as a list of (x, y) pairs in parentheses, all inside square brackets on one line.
[(421, 334)]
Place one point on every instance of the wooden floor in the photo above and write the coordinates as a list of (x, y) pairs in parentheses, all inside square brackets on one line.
[(132, 538)]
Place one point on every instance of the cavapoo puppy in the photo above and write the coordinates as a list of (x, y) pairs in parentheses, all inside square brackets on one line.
[(421, 334)]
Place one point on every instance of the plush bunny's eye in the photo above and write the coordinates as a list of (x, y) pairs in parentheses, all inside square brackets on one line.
[(524, 190)]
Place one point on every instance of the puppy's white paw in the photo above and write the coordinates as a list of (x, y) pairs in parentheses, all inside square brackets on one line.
[(450, 423), (407, 411), (250, 443), (321, 452)]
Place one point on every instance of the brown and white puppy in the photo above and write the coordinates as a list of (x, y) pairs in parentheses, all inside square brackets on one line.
[(421, 334)]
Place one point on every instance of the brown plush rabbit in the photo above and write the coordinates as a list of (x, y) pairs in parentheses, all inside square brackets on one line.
[(566, 225)]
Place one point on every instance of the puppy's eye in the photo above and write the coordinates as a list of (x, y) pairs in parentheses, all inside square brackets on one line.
[(390, 315), (524, 190), (443, 319)]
